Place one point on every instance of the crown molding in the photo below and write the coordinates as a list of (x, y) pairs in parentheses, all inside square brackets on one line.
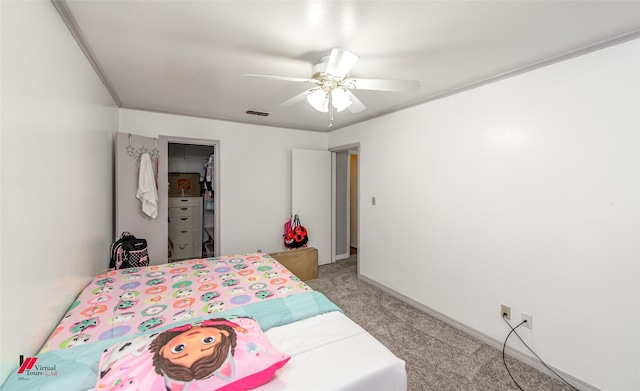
[(69, 20), (618, 39)]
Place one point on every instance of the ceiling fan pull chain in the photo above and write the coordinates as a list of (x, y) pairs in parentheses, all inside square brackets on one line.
[(330, 109)]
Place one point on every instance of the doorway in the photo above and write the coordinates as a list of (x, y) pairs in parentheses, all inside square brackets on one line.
[(194, 155), (191, 228), (345, 191)]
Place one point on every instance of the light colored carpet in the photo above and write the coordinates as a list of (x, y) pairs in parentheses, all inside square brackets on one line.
[(438, 356)]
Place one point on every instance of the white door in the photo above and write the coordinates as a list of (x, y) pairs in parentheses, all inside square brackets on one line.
[(128, 211), (311, 197)]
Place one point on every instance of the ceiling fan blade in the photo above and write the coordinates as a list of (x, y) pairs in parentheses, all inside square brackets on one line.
[(385, 85), (283, 78), (298, 98), (340, 62), (356, 105)]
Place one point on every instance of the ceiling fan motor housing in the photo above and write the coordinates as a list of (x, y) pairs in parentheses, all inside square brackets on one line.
[(320, 67)]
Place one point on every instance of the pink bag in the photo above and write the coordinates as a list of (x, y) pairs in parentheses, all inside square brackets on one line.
[(287, 227)]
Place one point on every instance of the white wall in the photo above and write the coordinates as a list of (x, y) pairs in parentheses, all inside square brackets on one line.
[(57, 133), (254, 198), (524, 192)]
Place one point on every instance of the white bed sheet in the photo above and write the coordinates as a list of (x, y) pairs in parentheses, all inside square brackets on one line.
[(331, 352)]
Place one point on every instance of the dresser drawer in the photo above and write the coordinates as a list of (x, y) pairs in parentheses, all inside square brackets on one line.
[(185, 235), (183, 222), (179, 202), (185, 211), (185, 250)]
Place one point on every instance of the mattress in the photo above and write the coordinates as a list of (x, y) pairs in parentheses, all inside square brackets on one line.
[(331, 352), (285, 335)]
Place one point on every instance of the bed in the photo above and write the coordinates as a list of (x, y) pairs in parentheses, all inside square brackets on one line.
[(155, 327)]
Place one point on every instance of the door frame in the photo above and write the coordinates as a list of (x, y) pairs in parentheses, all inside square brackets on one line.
[(351, 149), (217, 193)]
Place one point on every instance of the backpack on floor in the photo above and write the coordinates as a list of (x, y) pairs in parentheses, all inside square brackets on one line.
[(129, 251)]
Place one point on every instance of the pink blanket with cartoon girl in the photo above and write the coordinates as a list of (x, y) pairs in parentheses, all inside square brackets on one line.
[(215, 354)]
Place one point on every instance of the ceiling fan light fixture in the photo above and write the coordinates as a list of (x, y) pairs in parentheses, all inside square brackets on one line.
[(333, 84), (340, 99), (319, 100)]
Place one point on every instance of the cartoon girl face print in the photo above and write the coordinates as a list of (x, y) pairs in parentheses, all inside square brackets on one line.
[(230, 282), (178, 277), (129, 295), (186, 348), (183, 315), (214, 306), (76, 340), (185, 292), (271, 275), (103, 289), (264, 294), (79, 327), (236, 290), (205, 279), (126, 304), (123, 317), (151, 323), (156, 281), (285, 290), (131, 277), (240, 266), (104, 281), (135, 347), (66, 316), (209, 296)]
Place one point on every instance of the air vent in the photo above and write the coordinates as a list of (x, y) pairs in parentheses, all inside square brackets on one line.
[(259, 113)]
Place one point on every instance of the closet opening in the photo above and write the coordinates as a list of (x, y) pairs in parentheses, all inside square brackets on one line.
[(192, 183)]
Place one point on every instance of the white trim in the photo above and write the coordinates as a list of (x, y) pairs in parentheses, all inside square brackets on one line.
[(353, 148), (334, 245), (72, 25), (618, 39), (217, 222), (494, 343)]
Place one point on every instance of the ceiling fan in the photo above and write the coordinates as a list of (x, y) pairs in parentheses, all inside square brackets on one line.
[(333, 84)]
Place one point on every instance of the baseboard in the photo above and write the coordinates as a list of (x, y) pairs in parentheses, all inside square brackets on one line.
[(494, 343), (342, 256)]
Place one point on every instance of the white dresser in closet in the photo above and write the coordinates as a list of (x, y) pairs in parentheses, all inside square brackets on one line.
[(185, 227)]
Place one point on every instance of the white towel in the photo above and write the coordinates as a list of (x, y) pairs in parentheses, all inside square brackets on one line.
[(147, 192)]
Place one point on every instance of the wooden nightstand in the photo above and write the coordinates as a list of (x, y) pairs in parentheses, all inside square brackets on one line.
[(302, 262)]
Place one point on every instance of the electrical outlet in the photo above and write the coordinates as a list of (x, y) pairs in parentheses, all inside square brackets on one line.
[(505, 311), (529, 320)]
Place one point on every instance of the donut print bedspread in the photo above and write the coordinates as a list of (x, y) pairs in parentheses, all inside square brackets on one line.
[(129, 301)]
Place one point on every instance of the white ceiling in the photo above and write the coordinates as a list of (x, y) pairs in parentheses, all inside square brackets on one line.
[(188, 57)]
